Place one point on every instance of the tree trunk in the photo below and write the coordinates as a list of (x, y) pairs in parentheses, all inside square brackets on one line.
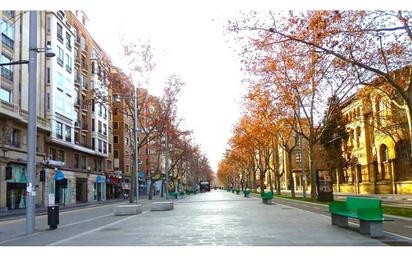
[(254, 179), (151, 190), (270, 181), (277, 180), (162, 188), (291, 182), (312, 171), (262, 179)]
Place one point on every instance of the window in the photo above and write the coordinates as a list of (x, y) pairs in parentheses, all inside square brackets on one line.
[(48, 101), (109, 164), (52, 154), (60, 56), (100, 110), (105, 113), (68, 135), (99, 125), (6, 71), (93, 105), (298, 157), (15, 138), (10, 14), (59, 32), (104, 147), (126, 140), (68, 41), (116, 139), (127, 168), (76, 161), (59, 130), (68, 63), (92, 124), (104, 129), (48, 75), (48, 25), (5, 95), (95, 164), (116, 153), (100, 145), (7, 33), (60, 155), (84, 162), (115, 125), (110, 148), (358, 135), (93, 143)]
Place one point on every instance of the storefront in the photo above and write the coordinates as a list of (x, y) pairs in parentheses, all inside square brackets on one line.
[(16, 187), (113, 188), (81, 190), (99, 188), (63, 188)]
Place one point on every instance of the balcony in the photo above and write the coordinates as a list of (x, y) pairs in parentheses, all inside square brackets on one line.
[(77, 102), (77, 80), (76, 61), (6, 73), (77, 124), (85, 85), (77, 42), (85, 127), (7, 41), (60, 61), (85, 107)]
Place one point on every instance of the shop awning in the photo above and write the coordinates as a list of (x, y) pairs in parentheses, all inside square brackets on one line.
[(99, 179), (59, 175)]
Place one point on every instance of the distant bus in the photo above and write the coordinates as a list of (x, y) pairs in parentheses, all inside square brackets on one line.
[(204, 186)]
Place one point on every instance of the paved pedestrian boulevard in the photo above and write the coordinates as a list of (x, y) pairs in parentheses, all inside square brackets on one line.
[(221, 218)]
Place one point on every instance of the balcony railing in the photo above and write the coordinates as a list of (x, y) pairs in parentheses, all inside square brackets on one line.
[(6, 73), (85, 85), (85, 127), (7, 41)]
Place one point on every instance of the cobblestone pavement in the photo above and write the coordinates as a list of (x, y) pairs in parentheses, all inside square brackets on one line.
[(215, 218)]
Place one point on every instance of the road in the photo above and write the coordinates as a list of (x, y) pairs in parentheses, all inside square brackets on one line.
[(215, 218)]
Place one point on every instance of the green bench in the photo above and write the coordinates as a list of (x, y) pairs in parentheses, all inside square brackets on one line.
[(182, 194), (368, 211), (246, 192), (173, 195), (233, 191), (266, 196), (237, 191)]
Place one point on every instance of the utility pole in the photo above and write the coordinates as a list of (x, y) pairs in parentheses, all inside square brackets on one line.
[(32, 126), (167, 164), (302, 160), (136, 142)]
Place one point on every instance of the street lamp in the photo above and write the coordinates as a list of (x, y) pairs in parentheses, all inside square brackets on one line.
[(135, 177), (32, 119)]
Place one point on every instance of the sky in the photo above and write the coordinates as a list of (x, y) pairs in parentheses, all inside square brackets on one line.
[(188, 38), (190, 43)]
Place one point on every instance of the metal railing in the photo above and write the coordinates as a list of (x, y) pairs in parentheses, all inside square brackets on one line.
[(7, 41), (6, 73)]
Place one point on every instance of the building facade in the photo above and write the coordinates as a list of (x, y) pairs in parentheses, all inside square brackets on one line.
[(14, 28), (378, 146), (74, 142)]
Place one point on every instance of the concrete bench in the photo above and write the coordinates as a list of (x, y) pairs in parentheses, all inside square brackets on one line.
[(161, 206), (127, 209), (368, 211)]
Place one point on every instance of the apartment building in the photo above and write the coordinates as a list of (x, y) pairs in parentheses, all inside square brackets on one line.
[(14, 46), (123, 150)]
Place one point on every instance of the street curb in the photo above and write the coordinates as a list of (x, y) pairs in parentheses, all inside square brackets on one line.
[(318, 204)]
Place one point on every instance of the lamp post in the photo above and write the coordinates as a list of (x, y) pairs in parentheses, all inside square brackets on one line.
[(135, 176), (32, 119)]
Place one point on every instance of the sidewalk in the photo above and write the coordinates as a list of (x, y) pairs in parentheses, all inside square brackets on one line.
[(402, 197), (12, 214)]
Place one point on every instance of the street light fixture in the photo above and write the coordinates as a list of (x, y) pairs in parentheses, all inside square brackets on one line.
[(135, 177)]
